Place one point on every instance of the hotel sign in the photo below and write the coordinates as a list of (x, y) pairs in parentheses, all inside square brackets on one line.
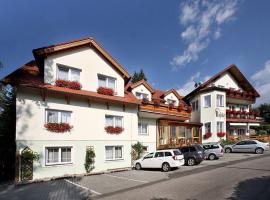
[(219, 113)]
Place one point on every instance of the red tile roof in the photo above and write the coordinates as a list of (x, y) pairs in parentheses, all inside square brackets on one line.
[(29, 75)]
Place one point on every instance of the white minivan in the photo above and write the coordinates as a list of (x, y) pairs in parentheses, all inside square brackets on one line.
[(164, 159)]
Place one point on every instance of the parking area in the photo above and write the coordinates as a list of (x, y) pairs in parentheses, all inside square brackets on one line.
[(118, 181), (96, 186)]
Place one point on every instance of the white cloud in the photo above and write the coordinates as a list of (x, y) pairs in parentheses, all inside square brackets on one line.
[(202, 20), (262, 83), (189, 85)]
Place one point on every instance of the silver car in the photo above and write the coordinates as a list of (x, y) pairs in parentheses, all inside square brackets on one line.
[(212, 150), (253, 146)]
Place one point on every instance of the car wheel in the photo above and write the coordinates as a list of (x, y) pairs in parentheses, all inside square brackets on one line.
[(138, 166), (259, 151), (212, 157), (191, 162), (228, 150), (166, 167)]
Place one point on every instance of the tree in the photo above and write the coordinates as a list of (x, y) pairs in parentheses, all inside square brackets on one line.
[(137, 76), (137, 150), (7, 131), (264, 110)]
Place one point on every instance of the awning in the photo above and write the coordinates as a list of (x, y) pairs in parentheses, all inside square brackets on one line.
[(238, 124)]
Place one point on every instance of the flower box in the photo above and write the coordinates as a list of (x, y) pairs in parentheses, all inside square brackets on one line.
[(145, 101), (68, 84), (207, 135), (105, 91), (171, 106), (114, 130), (221, 134), (58, 127)]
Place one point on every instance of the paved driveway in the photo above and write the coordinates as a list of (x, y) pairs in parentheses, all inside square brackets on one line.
[(97, 186)]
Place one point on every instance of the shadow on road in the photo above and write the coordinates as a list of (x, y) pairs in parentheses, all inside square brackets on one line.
[(256, 188)]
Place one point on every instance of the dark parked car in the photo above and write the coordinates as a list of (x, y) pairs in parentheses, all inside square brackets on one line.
[(193, 154)]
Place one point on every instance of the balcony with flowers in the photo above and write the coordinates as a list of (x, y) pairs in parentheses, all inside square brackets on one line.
[(242, 116), (238, 94)]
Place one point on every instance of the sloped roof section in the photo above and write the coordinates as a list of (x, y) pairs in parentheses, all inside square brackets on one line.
[(141, 82), (29, 75), (174, 92), (236, 74), (42, 52)]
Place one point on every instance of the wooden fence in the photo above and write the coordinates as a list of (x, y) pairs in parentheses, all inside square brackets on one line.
[(264, 138)]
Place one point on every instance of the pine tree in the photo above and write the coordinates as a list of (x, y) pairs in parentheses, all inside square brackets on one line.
[(138, 76)]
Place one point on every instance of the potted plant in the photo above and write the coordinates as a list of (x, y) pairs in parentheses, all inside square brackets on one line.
[(75, 85), (58, 127), (105, 91), (207, 135), (114, 130)]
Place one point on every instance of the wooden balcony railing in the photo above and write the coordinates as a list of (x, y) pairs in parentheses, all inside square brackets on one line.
[(159, 107), (242, 115), (264, 138), (237, 94)]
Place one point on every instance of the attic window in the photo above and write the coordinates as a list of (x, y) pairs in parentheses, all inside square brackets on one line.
[(141, 95), (171, 101)]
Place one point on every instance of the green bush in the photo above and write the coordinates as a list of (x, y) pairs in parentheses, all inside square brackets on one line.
[(137, 150), (226, 142), (89, 160), (261, 132)]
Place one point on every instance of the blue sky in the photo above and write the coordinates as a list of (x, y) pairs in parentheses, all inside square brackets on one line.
[(174, 42)]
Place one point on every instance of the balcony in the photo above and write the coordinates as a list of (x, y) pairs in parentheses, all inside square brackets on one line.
[(159, 107), (237, 94), (177, 134), (242, 116)]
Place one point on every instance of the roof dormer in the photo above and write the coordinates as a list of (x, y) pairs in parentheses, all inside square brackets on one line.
[(142, 90), (172, 97)]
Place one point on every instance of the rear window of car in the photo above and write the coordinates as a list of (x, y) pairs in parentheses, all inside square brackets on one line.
[(211, 146), (159, 154), (192, 149), (177, 153), (183, 150), (167, 153)]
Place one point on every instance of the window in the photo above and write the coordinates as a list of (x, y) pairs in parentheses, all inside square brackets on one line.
[(114, 152), (231, 107), (150, 155), (56, 116), (192, 149), (171, 101), (141, 95), (167, 153), (105, 81), (195, 105), (220, 127), (177, 153), (159, 154), (207, 101), (143, 128), (58, 155), (207, 127), (173, 132), (220, 100), (241, 143), (68, 74), (145, 148), (115, 121)]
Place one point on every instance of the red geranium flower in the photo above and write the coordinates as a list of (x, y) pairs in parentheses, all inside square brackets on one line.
[(105, 91)]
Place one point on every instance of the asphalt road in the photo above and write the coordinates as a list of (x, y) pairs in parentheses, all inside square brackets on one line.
[(249, 180)]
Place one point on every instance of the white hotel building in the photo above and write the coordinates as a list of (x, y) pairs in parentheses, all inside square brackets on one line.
[(223, 105), (74, 95)]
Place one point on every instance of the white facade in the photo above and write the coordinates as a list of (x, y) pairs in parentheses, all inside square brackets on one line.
[(213, 116), (141, 89), (171, 97)]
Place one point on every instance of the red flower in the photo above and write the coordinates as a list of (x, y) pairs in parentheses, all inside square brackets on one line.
[(114, 130), (207, 135), (105, 91), (68, 84), (221, 134), (58, 127)]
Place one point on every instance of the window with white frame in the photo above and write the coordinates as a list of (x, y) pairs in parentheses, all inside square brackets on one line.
[(195, 105), (141, 95), (68, 74), (207, 101), (220, 100), (143, 128), (106, 81), (58, 155), (207, 127), (57, 116), (113, 152), (171, 101), (115, 121), (220, 127)]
